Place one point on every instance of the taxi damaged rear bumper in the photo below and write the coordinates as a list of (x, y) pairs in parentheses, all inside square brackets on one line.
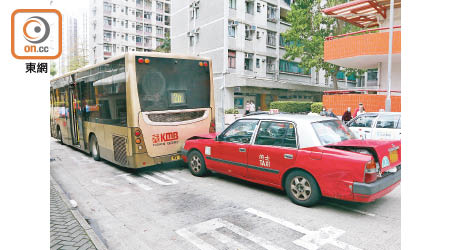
[(378, 188)]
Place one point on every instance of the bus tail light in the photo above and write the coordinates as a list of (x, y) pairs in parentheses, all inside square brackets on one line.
[(200, 64), (141, 60), (137, 132), (212, 126), (138, 141), (205, 64), (370, 171), (147, 60)]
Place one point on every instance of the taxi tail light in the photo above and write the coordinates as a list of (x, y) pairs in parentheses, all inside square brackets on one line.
[(212, 126), (137, 132), (370, 172)]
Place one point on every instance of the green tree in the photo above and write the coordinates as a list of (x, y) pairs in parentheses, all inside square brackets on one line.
[(53, 69), (164, 47), (309, 28)]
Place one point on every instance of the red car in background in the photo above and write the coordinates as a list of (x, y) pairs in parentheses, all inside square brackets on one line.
[(307, 156)]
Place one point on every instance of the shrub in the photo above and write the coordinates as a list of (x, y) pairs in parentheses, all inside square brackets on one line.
[(232, 111), (291, 106), (316, 107)]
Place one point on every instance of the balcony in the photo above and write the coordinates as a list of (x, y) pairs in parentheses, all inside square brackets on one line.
[(361, 49)]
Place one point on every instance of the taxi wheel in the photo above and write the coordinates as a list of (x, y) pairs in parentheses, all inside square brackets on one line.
[(196, 164), (302, 188), (94, 148)]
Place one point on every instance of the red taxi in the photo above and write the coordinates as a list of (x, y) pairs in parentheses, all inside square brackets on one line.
[(307, 156)]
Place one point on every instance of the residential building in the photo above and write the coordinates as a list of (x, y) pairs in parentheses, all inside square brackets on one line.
[(368, 49), (242, 37), (119, 26)]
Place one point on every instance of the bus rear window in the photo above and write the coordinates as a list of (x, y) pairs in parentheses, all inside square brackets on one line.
[(168, 83)]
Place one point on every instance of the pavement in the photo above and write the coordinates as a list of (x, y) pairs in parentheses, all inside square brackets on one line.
[(165, 207), (68, 229)]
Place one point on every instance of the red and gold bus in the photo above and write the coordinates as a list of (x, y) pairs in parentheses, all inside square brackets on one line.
[(134, 110)]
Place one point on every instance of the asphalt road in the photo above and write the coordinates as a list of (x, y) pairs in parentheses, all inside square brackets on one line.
[(165, 207)]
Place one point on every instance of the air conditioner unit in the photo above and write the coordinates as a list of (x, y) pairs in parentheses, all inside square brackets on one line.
[(253, 28), (235, 23)]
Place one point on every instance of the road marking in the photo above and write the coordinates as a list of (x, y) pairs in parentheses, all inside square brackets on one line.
[(175, 174), (160, 181), (312, 240), (101, 183), (352, 209), (210, 228), (135, 182)]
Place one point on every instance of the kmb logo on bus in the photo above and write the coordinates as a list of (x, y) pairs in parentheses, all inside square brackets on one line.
[(165, 137)]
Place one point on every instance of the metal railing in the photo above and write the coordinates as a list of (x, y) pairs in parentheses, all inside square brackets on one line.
[(359, 32)]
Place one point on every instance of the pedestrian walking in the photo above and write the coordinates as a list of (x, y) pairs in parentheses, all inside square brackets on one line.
[(323, 112), (330, 113), (247, 108), (360, 107), (252, 107), (347, 116)]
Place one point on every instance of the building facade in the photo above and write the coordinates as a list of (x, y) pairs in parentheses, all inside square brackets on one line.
[(119, 26), (368, 49), (242, 37)]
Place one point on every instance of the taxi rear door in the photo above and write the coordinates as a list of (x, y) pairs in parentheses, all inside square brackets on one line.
[(274, 150)]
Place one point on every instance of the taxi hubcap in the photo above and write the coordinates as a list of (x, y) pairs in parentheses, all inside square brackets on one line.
[(195, 163), (300, 188)]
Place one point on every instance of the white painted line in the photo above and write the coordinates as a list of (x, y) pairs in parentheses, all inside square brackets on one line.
[(229, 242), (101, 183), (352, 209), (159, 181), (312, 240), (192, 238), (287, 224), (176, 174), (209, 227), (135, 182)]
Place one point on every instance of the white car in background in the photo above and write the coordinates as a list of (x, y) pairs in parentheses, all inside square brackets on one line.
[(377, 126)]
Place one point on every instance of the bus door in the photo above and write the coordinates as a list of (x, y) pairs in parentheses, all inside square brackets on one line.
[(73, 114)]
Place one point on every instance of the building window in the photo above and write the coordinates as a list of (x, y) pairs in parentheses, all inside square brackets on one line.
[(258, 7), (292, 67), (372, 75), (159, 5), (159, 17), (249, 30), (148, 28), (147, 15), (159, 30), (249, 7), (232, 4), (232, 59), (248, 62), (271, 13), (231, 29), (257, 62), (270, 66), (271, 38), (191, 41)]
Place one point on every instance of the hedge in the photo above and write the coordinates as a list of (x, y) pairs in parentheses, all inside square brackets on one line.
[(291, 106), (316, 107)]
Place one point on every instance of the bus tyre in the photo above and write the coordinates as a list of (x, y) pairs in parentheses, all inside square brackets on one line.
[(59, 135), (302, 188), (93, 144), (196, 164)]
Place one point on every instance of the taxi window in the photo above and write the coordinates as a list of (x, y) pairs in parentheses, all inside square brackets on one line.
[(280, 134), (399, 125), (241, 131), (388, 121), (363, 121)]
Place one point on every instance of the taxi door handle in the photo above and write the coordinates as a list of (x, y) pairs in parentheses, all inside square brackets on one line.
[(242, 150), (288, 156)]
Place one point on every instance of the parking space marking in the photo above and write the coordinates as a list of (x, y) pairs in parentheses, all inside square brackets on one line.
[(312, 240), (135, 182), (352, 209), (210, 228), (161, 178)]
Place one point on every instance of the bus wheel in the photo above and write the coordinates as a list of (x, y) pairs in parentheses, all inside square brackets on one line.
[(59, 136), (196, 164), (93, 145)]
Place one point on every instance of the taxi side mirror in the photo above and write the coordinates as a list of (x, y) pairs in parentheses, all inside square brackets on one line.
[(219, 138)]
